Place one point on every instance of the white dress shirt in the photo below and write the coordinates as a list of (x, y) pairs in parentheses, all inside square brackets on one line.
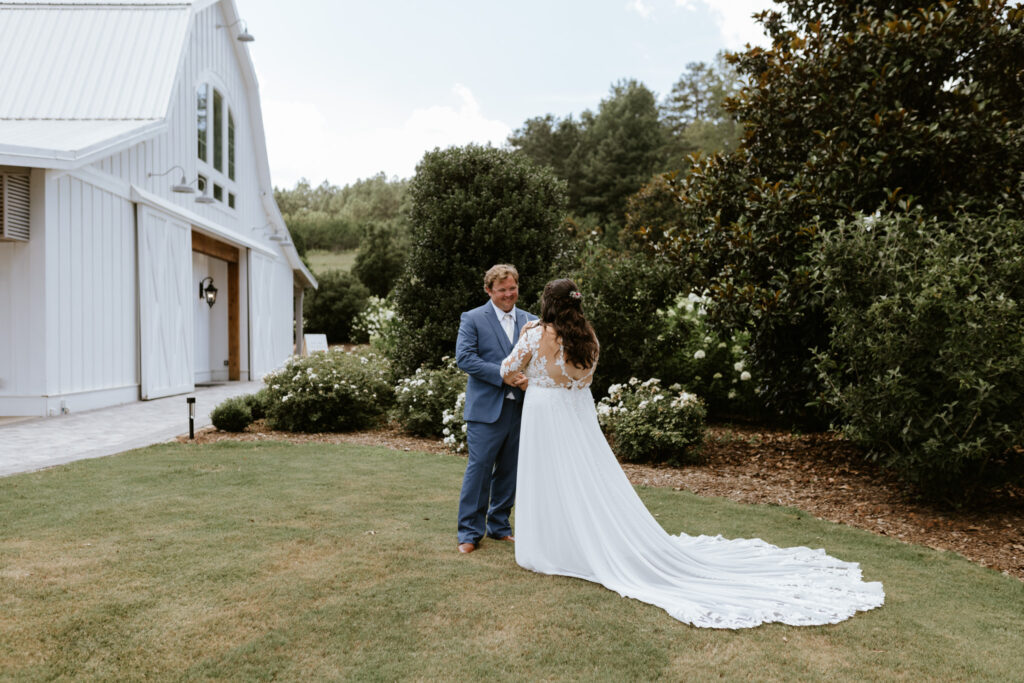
[(508, 323)]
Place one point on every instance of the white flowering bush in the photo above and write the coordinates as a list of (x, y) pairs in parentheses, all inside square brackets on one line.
[(455, 426), (378, 323), (328, 391), (649, 423), (421, 400), (707, 364)]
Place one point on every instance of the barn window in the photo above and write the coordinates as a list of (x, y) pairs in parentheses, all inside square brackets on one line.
[(202, 119), (216, 137), (231, 145), (218, 130)]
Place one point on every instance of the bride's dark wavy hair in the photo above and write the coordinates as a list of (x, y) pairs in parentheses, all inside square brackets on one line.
[(560, 307)]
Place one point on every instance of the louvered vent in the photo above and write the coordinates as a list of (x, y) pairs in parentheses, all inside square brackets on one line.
[(14, 206)]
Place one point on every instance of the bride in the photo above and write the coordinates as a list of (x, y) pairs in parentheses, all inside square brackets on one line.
[(577, 514)]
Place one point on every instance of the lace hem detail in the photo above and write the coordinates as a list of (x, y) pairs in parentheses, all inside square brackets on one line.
[(828, 590)]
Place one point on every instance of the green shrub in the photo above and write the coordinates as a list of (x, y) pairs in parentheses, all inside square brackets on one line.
[(651, 424), (455, 425), (926, 359), (380, 259), (258, 404), (421, 400), (472, 207), (630, 296), (232, 415), (624, 296), (328, 391), (332, 308)]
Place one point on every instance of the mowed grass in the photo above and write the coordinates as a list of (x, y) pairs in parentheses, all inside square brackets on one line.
[(321, 260), (262, 561)]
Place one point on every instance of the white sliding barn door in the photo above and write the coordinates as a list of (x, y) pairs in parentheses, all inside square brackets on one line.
[(165, 304), (261, 311)]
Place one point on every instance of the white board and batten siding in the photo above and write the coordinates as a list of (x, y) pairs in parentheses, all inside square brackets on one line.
[(74, 285)]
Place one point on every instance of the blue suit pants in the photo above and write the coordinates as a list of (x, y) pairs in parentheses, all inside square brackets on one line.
[(489, 484)]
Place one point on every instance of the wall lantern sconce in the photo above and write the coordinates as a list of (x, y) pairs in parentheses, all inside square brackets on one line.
[(244, 36), (181, 186), (208, 293)]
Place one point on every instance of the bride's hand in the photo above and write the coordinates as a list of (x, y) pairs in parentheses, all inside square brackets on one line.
[(514, 379)]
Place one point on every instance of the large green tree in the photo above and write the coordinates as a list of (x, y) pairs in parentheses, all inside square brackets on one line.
[(620, 149), (550, 141), (856, 107), (603, 156), (472, 207), (608, 154), (694, 112)]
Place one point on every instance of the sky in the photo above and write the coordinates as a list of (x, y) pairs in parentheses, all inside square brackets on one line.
[(351, 89)]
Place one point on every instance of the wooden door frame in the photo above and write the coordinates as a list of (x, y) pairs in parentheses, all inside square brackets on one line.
[(204, 244)]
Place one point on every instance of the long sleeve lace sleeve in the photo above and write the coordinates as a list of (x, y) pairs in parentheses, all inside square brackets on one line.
[(524, 349)]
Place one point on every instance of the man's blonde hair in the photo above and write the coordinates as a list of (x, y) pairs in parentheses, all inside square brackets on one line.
[(500, 272)]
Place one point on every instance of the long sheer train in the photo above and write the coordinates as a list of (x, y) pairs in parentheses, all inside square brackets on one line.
[(577, 515)]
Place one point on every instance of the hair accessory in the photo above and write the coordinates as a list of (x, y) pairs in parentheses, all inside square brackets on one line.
[(575, 294)]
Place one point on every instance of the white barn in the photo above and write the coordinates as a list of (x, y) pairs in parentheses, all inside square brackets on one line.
[(106, 110)]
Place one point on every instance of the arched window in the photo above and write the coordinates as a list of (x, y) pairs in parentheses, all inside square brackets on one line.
[(215, 143)]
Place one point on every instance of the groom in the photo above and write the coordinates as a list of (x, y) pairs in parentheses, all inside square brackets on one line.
[(493, 409)]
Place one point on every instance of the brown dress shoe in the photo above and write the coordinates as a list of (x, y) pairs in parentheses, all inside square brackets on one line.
[(467, 547)]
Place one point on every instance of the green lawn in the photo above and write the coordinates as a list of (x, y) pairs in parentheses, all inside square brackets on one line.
[(260, 561), (321, 260)]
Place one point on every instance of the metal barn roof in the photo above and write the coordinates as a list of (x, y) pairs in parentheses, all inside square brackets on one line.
[(89, 62)]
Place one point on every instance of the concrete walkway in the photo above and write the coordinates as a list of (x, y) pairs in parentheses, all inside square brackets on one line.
[(27, 445)]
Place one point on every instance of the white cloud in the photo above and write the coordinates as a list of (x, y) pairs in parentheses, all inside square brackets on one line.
[(640, 7), (302, 142), (735, 19)]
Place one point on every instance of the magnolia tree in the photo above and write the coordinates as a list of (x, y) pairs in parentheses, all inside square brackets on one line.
[(856, 107)]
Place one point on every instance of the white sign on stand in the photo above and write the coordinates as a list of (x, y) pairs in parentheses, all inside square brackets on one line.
[(313, 342)]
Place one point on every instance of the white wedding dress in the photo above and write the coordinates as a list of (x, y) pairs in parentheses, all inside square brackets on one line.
[(577, 515)]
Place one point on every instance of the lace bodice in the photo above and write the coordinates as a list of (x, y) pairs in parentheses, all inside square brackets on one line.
[(539, 355)]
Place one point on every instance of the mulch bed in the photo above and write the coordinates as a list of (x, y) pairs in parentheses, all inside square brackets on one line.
[(819, 473)]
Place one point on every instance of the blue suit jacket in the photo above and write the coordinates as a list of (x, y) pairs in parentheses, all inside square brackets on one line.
[(479, 350)]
